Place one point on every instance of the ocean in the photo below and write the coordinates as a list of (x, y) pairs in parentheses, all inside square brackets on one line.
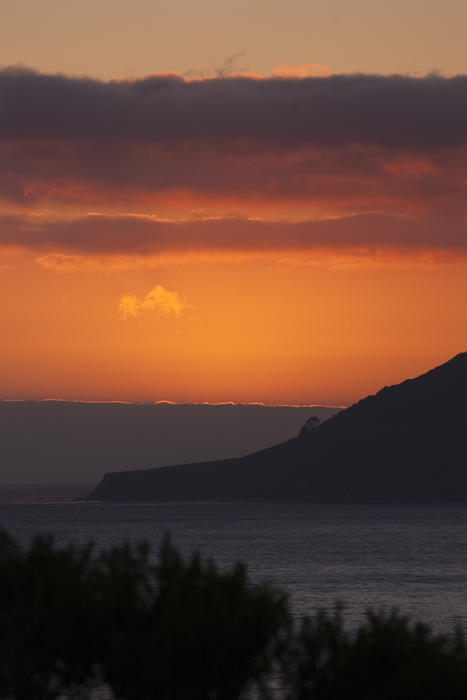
[(409, 556)]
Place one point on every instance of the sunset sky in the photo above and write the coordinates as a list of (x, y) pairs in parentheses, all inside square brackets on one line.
[(249, 202)]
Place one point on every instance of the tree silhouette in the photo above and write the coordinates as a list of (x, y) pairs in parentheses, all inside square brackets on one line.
[(175, 629)]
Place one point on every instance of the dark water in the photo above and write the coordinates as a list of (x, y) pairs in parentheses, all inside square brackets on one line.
[(412, 557)]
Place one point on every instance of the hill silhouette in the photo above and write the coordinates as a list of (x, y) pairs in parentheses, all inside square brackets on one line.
[(406, 443)]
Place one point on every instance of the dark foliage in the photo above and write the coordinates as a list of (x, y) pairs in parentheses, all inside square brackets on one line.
[(388, 658), (170, 629), (183, 630)]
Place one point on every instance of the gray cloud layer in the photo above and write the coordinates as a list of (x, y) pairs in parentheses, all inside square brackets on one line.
[(331, 146), (395, 111)]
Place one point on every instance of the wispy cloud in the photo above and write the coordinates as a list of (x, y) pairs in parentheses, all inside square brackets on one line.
[(158, 301), (108, 242)]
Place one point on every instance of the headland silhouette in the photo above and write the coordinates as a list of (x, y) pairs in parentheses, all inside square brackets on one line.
[(406, 443)]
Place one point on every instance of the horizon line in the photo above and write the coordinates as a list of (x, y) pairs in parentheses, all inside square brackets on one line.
[(167, 402)]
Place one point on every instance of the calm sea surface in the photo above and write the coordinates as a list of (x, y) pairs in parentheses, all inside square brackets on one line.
[(412, 557)]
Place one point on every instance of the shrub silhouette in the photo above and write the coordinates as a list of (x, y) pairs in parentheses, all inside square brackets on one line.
[(387, 658), (189, 631), (172, 629), (46, 607)]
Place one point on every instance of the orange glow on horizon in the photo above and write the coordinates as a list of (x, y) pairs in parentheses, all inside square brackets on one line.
[(253, 332)]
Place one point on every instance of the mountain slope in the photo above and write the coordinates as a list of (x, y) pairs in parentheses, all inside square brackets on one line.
[(408, 442)]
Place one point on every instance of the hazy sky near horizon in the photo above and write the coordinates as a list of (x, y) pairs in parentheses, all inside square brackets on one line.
[(230, 202), (118, 38)]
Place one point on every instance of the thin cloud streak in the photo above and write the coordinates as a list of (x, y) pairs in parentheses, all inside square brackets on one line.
[(142, 236)]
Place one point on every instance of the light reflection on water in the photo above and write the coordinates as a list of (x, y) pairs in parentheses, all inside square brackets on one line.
[(411, 557)]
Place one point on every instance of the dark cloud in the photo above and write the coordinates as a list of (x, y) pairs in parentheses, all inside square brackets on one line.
[(342, 180), (102, 235), (289, 148), (394, 111)]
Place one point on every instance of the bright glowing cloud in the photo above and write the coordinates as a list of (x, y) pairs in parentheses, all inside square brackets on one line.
[(158, 300), (306, 70)]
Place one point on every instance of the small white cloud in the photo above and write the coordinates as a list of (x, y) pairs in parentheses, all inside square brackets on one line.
[(158, 300)]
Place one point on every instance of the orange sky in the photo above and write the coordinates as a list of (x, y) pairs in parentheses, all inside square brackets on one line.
[(261, 330), (200, 236)]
